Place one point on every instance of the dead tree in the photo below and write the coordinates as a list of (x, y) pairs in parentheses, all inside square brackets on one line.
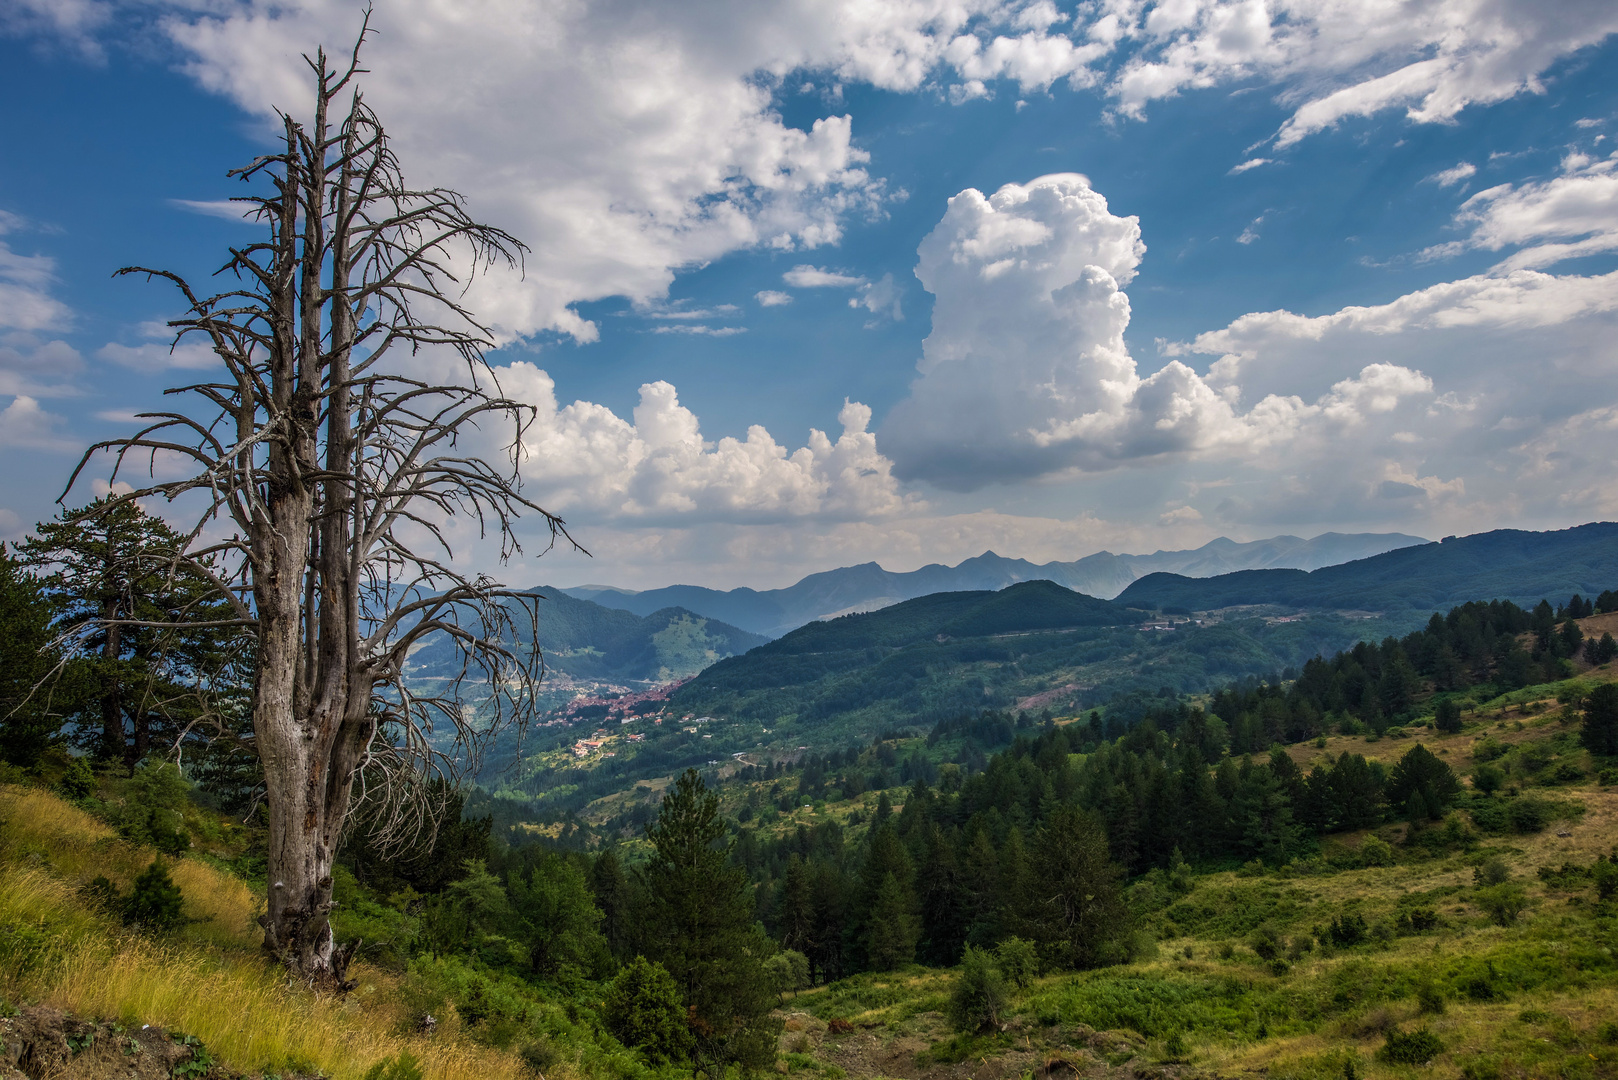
[(323, 482)]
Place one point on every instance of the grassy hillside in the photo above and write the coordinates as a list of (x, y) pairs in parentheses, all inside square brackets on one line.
[(208, 979), (1380, 942), (1506, 564)]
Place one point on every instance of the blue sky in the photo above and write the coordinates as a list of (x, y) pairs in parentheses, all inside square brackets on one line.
[(1005, 255)]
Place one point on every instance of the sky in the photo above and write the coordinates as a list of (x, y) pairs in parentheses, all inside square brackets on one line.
[(820, 282)]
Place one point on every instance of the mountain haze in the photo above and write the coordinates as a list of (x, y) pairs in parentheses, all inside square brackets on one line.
[(868, 587)]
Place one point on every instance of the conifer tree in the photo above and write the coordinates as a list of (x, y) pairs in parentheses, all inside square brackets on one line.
[(1600, 733), (892, 927), (610, 887), (30, 714), (699, 925), (1077, 915)]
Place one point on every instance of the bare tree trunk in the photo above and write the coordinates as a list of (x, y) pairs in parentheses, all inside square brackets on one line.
[(328, 453)]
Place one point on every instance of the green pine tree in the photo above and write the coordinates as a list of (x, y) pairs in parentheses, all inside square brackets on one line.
[(699, 924), (892, 928), (154, 901), (1600, 732), (643, 1009), (1077, 914)]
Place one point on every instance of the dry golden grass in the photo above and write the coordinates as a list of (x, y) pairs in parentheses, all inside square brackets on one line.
[(208, 979)]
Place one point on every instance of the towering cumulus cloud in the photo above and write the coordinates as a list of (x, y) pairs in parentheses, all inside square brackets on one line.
[(1026, 374)]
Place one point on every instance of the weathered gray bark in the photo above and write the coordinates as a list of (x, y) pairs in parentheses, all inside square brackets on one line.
[(315, 452)]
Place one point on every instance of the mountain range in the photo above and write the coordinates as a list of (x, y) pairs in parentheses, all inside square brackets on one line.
[(1038, 643), (868, 587), (1506, 564)]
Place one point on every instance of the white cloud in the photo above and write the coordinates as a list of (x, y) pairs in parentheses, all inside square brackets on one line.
[(224, 209), (1454, 175), (1026, 374), (772, 298), (1250, 163), (1573, 214), (1336, 59), (629, 141), (1474, 378), (152, 358), (24, 424), (1250, 233), (75, 22), (36, 367), (881, 298), (699, 329), (814, 277), (25, 281), (584, 459)]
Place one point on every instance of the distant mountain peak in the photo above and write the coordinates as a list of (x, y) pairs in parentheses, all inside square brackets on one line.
[(868, 587)]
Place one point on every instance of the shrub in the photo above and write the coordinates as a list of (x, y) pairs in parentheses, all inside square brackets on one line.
[(1347, 930), (1376, 852), (1417, 920), (643, 1008), (154, 900), (77, 780), (790, 970), (1605, 874), (1265, 941), (1526, 815), (1488, 779), (1492, 872), (1411, 1047), (1018, 961), (1503, 902), (1430, 997), (979, 997)]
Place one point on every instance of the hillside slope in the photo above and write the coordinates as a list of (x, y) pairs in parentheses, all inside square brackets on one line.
[(585, 640), (949, 653), (1506, 564), (868, 587)]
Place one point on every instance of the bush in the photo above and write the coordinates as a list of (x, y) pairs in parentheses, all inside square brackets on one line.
[(1376, 852), (154, 900), (1492, 872), (1605, 874), (1411, 1047), (1347, 930), (1018, 961), (1265, 941), (1488, 779), (979, 997), (1527, 815), (1503, 902), (643, 1008), (1430, 997), (790, 970), (77, 780)]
